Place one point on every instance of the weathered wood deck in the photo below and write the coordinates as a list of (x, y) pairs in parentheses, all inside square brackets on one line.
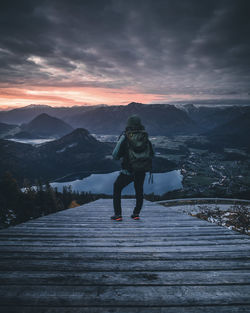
[(79, 260)]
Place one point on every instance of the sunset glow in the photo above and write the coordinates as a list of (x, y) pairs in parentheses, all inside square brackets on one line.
[(59, 96)]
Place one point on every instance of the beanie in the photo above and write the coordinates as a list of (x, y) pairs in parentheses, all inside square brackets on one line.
[(134, 122)]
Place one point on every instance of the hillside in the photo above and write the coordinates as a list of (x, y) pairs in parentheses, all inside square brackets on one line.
[(235, 132), (78, 153), (209, 117), (6, 129)]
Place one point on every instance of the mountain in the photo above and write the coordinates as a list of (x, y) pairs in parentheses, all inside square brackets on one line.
[(159, 119), (233, 133), (45, 125), (78, 141), (209, 117), (77, 153)]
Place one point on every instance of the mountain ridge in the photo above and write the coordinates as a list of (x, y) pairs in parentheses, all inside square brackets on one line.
[(159, 119)]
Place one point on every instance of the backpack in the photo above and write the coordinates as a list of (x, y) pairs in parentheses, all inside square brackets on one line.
[(140, 152)]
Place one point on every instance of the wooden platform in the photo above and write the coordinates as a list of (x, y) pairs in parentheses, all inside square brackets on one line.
[(79, 260)]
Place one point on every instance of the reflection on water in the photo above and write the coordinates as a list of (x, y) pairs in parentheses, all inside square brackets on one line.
[(103, 183)]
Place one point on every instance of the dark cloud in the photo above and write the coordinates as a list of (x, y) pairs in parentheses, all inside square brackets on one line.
[(163, 47)]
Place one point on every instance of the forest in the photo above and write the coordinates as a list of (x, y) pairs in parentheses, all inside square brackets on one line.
[(18, 205)]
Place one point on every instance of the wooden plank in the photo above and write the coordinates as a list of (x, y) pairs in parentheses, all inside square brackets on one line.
[(130, 309), (132, 249), (139, 224), (113, 241), (120, 231), (131, 278), (109, 242), (124, 295), (90, 256), (106, 215), (122, 265), (168, 237), (126, 227)]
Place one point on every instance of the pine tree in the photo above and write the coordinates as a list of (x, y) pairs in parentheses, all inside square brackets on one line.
[(9, 199)]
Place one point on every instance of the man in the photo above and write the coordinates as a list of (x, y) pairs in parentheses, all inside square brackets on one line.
[(136, 152)]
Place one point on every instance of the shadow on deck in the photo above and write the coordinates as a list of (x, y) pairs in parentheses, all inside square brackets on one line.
[(78, 260)]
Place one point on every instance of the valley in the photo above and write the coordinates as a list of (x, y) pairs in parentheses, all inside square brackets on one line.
[(206, 173), (209, 145)]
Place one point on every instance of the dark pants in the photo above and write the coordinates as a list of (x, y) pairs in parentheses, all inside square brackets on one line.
[(122, 181)]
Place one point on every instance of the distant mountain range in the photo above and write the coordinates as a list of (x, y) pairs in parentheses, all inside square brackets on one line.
[(216, 123), (159, 119)]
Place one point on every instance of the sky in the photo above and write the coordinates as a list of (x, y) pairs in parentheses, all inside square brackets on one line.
[(66, 53)]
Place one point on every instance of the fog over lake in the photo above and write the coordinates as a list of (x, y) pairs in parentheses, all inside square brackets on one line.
[(103, 183), (33, 142)]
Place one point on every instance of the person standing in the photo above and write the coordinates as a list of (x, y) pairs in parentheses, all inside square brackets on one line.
[(136, 152)]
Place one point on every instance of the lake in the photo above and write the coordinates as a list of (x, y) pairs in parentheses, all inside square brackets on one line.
[(103, 183)]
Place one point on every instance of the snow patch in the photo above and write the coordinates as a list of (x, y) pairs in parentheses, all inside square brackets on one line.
[(67, 147)]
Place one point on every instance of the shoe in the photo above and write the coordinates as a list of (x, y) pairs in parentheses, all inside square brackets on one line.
[(116, 218), (135, 216)]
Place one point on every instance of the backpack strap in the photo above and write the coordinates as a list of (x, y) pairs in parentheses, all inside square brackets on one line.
[(151, 178)]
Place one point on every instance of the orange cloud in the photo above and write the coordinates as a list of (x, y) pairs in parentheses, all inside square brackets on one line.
[(70, 96), (61, 96)]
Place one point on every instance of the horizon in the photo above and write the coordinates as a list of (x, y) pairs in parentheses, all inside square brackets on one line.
[(65, 54), (178, 104)]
